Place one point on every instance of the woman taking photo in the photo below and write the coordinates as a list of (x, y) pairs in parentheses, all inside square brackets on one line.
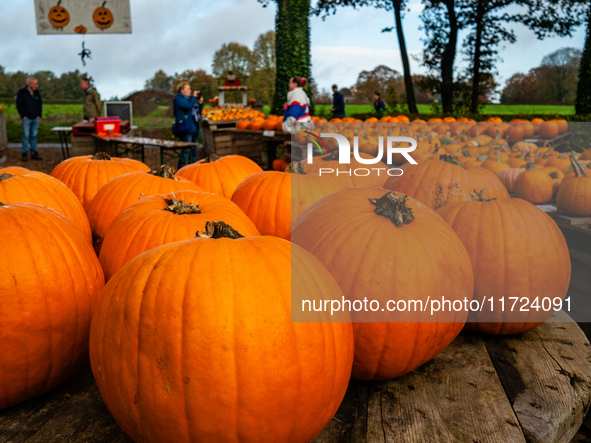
[(187, 107), (297, 112)]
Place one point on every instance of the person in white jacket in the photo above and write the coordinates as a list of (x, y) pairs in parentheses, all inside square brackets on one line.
[(297, 108)]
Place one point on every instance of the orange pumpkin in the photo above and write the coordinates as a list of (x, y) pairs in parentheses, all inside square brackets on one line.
[(574, 196), (549, 130), (366, 237), (509, 248), (220, 175), (535, 186), (280, 164), (14, 170), (494, 166), (242, 124), (42, 189), (51, 280), (58, 15), (80, 29), (441, 182), (123, 191), (227, 310), (103, 17), (160, 219), (86, 174)]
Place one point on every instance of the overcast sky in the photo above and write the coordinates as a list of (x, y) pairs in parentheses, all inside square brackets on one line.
[(184, 34)]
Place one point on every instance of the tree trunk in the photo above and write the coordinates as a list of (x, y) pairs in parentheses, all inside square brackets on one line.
[(583, 102), (447, 61), (477, 55), (292, 49), (410, 91)]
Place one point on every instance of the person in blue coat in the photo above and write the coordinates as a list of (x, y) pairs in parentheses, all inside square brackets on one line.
[(338, 103), (378, 105), (186, 106)]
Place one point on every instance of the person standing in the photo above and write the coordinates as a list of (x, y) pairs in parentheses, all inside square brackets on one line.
[(378, 105), (184, 106), (93, 106), (296, 111), (30, 107), (338, 103)]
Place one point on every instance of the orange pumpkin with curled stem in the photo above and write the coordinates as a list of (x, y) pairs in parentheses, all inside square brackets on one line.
[(42, 189), (187, 317), (380, 245), (574, 196), (87, 174), (125, 190), (516, 251), (160, 219), (49, 285), (220, 175)]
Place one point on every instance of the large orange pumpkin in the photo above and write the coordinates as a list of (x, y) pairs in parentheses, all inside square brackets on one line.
[(574, 196), (265, 197), (86, 174), (194, 341), (220, 175), (516, 251), (160, 219), (549, 130), (441, 182), (14, 170), (125, 190), (50, 281), (385, 246), (36, 187), (508, 177)]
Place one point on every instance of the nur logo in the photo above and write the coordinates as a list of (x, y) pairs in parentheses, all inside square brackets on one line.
[(345, 148)]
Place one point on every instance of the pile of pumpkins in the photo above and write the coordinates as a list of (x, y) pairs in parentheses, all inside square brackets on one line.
[(231, 113), (185, 286)]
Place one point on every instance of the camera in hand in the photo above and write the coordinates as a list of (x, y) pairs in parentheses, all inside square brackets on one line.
[(199, 95)]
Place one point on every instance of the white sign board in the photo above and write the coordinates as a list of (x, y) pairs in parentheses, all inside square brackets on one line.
[(61, 17)]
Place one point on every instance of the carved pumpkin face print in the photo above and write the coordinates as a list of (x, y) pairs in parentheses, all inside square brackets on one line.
[(103, 17), (59, 16), (80, 29)]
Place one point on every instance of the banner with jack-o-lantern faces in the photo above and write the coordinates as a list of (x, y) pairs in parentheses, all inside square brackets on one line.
[(83, 16)]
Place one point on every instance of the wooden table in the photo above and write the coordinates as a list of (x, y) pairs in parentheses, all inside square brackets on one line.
[(534, 387), (138, 144)]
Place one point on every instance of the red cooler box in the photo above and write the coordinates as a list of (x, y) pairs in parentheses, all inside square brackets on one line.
[(109, 125)]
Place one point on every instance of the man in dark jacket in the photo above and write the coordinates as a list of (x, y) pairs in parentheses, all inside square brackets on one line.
[(338, 103), (378, 105), (29, 106)]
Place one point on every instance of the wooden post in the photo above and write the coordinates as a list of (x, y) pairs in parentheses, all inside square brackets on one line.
[(3, 138)]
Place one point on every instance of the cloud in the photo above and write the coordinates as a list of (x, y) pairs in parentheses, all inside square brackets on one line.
[(342, 65)]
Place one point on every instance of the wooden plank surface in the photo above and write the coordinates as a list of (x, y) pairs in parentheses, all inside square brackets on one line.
[(456, 397), (546, 374), (74, 412), (491, 389)]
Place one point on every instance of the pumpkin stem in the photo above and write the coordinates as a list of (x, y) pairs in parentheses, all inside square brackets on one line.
[(577, 166), (101, 156), (219, 229), (479, 196), (5, 176), (2, 204), (450, 159), (393, 207), (59, 2), (104, 3), (530, 165), (295, 167), (332, 156), (554, 174), (179, 207), (211, 158), (165, 171)]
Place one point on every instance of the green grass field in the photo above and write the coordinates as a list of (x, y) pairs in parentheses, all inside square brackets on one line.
[(68, 114)]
